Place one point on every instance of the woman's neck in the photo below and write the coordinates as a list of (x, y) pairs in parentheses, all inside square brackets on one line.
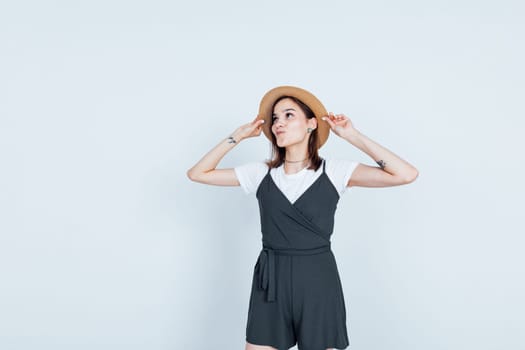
[(295, 161)]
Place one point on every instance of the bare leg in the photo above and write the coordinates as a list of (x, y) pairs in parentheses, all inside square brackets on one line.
[(263, 347), (250, 346)]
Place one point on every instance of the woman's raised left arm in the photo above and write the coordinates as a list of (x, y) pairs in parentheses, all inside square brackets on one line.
[(392, 170)]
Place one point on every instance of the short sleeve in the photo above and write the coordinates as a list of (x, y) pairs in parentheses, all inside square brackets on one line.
[(250, 175), (340, 171)]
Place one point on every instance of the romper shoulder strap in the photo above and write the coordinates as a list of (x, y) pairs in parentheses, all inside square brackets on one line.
[(324, 163)]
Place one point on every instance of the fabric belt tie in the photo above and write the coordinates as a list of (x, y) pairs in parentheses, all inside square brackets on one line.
[(266, 266)]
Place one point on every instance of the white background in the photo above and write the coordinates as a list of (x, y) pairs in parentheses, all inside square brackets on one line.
[(104, 106)]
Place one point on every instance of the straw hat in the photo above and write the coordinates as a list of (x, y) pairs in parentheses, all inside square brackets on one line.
[(268, 100)]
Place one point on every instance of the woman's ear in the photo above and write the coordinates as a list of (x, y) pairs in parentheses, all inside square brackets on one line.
[(312, 123)]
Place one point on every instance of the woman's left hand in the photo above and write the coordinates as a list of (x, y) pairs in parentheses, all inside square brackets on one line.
[(340, 124)]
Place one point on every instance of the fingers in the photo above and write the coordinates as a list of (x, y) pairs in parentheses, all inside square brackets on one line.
[(337, 122), (332, 118), (256, 127), (255, 124), (258, 122), (336, 117), (329, 121), (258, 119)]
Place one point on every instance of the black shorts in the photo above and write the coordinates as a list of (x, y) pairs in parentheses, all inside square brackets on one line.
[(309, 308)]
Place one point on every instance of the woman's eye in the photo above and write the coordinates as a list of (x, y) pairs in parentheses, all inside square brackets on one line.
[(287, 115)]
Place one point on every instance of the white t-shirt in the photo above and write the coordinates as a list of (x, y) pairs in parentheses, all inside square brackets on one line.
[(251, 174)]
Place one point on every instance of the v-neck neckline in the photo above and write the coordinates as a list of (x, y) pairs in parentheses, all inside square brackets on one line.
[(302, 194)]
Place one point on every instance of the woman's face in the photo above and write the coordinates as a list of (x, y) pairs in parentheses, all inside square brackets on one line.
[(289, 123)]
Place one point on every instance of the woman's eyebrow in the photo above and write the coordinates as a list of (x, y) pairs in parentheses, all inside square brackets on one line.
[(284, 110)]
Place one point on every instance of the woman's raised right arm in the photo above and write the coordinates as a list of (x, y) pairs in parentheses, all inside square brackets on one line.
[(204, 171)]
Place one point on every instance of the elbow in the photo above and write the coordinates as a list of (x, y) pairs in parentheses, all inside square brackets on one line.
[(191, 175), (196, 175), (413, 176)]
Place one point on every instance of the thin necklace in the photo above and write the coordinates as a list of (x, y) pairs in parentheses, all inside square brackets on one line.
[(295, 161), (298, 171)]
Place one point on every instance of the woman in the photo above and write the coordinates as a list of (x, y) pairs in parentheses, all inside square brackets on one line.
[(296, 294)]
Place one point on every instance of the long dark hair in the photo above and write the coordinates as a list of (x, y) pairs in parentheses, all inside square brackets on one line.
[(278, 153)]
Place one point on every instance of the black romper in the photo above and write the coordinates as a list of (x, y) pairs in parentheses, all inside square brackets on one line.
[(296, 294)]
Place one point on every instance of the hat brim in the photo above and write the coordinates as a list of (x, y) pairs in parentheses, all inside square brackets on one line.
[(268, 100)]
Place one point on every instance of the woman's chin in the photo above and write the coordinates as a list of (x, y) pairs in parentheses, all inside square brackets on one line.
[(281, 143)]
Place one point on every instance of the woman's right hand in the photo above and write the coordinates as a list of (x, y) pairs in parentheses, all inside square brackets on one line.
[(248, 130)]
